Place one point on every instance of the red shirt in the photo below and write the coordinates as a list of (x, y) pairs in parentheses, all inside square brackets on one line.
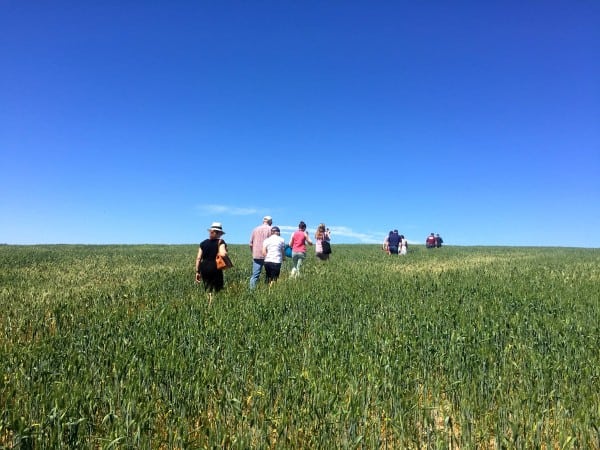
[(299, 241)]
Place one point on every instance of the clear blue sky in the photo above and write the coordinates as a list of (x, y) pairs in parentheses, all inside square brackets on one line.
[(144, 121)]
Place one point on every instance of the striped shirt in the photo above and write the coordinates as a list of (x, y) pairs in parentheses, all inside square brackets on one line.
[(259, 234)]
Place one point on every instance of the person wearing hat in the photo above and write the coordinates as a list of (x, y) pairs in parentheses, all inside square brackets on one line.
[(258, 236), (273, 251), (206, 265)]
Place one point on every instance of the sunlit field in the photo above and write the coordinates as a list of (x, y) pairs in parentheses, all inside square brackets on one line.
[(453, 348)]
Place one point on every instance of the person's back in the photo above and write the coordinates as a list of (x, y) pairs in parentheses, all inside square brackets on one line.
[(274, 246), (259, 234), (298, 241), (394, 240), (273, 252), (394, 243), (403, 245), (430, 241), (257, 238)]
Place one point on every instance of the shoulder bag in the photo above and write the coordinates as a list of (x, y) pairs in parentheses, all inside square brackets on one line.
[(223, 262), (325, 245)]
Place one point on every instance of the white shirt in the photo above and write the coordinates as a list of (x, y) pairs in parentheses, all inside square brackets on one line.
[(274, 245)]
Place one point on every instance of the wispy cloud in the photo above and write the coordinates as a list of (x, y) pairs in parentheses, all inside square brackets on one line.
[(340, 232), (343, 233), (364, 238), (208, 210)]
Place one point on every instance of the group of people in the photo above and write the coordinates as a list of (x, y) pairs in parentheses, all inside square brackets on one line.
[(395, 243), (268, 250), (434, 241)]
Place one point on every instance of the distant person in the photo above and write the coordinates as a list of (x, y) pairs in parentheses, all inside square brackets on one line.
[(386, 243), (206, 266), (430, 241), (258, 236), (438, 241), (403, 245), (298, 243), (273, 251), (321, 235), (393, 243)]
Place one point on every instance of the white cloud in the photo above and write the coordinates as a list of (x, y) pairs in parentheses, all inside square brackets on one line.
[(350, 233), (340, 232)]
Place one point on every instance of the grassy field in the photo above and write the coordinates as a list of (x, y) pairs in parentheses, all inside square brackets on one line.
[(451, 348)]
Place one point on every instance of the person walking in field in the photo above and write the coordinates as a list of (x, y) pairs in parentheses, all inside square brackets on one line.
[(258, 236), (438, 241), (206, 265), (393, 243), (386, 243), (322, 235), (274, 254), (403, 245), (430, 241), (298, 243)]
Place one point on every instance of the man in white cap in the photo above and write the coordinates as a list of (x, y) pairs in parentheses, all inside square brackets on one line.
[(258, 236)]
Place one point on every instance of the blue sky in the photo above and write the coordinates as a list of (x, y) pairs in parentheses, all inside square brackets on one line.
[(145, 121)]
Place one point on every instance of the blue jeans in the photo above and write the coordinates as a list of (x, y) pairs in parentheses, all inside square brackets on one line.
[(257, 265)]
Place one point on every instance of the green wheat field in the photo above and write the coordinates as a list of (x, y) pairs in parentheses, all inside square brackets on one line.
[(116, 347)]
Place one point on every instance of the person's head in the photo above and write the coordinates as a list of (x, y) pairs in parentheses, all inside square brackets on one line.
[(216, 230), (395, 231), (268, 220), (320, 232), (401, 236), (302, 225), (275, 230)]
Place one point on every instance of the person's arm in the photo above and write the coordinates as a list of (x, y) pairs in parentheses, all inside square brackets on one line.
[(198, 259), (308, 238), (264, 250), (222, 249)]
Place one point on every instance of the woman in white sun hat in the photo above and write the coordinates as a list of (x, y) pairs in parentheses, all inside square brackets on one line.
[(206, 266)]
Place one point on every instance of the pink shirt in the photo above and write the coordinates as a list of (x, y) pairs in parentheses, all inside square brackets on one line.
[(298, 241), (259, 234), (319, 242)]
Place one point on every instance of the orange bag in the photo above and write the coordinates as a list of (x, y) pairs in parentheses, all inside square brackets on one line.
[(223, 262)]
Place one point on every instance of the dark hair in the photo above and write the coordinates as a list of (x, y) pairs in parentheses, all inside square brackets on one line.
[(302, 225)]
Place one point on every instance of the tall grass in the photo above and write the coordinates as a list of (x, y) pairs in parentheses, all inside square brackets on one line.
[(116, 347)]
